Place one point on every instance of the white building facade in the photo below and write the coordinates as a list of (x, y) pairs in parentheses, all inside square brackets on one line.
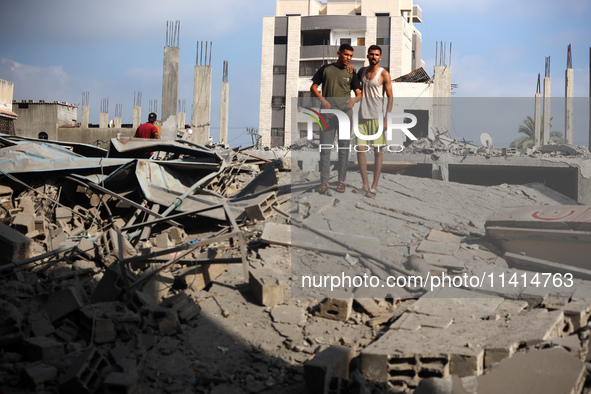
[(305, 34)]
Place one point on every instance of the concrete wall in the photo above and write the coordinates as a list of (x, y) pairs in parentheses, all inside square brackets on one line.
[(6, 91), (294, 30), (371, 7), (224, 111), (36, 117), (92, 136), (401, 33), (341, 7)]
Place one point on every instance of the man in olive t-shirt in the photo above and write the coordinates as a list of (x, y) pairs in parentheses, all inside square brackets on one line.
[(337, 83)]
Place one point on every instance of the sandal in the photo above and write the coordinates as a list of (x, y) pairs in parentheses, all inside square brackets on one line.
[(358, 190), (341, 187), (323, 188), (371, 193)]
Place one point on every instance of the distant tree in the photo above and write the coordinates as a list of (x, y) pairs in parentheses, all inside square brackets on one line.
[(528, 128)]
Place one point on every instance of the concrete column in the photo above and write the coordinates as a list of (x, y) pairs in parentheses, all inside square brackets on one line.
[(117, 123), (84, 116), (440, 119), (292, 75), (569, 105), (137, 117), (201, 116), (546, 136), (265, 111), (104, 120), (400, 46), (170, 92), (224, 112), (371, 34), (181, 119), (537, 119)]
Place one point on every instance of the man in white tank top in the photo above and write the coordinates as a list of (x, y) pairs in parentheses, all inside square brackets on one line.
[(376, 83)]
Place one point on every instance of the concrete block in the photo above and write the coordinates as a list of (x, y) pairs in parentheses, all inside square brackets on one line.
[(85, 374), (39, 373), (64, 302), (140, 299), (328, 370), (266, 287), (177, 234), (120, 383), (442, 236), (87, 248), (63, 214), (288, 314), (370, 306), (468, 364), (336, 309), (27, 205), (14, 245), (164, 241), (262, 207), (184, 306), (577, 314), (24, 223), (197, 278), (43, 348), (547, 371), (41, 324), (108, 321)]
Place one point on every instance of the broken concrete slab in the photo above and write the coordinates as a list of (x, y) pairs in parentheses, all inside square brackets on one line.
[(427, 246), (15, 246), (547, 371), (288, 314), (559, 234)]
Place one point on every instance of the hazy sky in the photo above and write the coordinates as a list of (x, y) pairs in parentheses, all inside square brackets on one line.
[(55, 50)]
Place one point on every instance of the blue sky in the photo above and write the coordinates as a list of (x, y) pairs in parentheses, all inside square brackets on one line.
[(55, 50)]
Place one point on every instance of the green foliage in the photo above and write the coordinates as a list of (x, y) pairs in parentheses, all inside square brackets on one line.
[(528, 128)]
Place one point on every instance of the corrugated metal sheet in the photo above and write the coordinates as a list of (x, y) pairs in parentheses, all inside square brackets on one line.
[(417, 76)]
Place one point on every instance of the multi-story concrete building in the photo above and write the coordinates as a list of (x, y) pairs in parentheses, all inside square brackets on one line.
[(305, 34)]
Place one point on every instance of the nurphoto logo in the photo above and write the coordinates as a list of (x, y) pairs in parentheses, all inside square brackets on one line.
[(395, 121)]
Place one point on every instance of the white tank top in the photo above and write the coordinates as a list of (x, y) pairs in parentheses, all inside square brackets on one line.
[(372, 93)]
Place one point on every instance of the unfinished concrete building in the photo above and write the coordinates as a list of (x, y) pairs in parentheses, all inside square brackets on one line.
[(305, 34), (7, 117)]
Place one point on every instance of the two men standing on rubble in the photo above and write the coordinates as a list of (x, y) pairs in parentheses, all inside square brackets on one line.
[(338, 80)]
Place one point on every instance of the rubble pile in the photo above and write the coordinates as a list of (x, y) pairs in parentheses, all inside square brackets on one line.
[(185, 273)]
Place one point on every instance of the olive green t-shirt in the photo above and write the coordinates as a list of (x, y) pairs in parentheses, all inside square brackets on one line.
[(336, 83)]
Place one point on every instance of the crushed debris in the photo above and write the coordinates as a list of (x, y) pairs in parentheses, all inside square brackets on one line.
[(186, 272)]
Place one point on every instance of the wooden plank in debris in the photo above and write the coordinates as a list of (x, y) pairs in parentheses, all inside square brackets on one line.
[(283, 234)]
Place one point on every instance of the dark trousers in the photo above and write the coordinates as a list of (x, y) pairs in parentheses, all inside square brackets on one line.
[(328, 137)]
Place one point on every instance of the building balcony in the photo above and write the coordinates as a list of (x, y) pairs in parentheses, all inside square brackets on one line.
[(417, 14), (317, 52)]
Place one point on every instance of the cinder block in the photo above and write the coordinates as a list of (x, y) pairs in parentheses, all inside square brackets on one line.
[(24, 223), (140, 299), (85, 374), (120, 383), (184, 306), (64, 302), (262, 207), (111, 320), (469, 364), (63, 214), (336, 308), (164, 241), (43, 348), (328, 371), (266, 287), (14, 245), (178, 235)]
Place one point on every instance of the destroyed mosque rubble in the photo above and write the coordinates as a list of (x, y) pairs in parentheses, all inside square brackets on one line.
[(184, 274)]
